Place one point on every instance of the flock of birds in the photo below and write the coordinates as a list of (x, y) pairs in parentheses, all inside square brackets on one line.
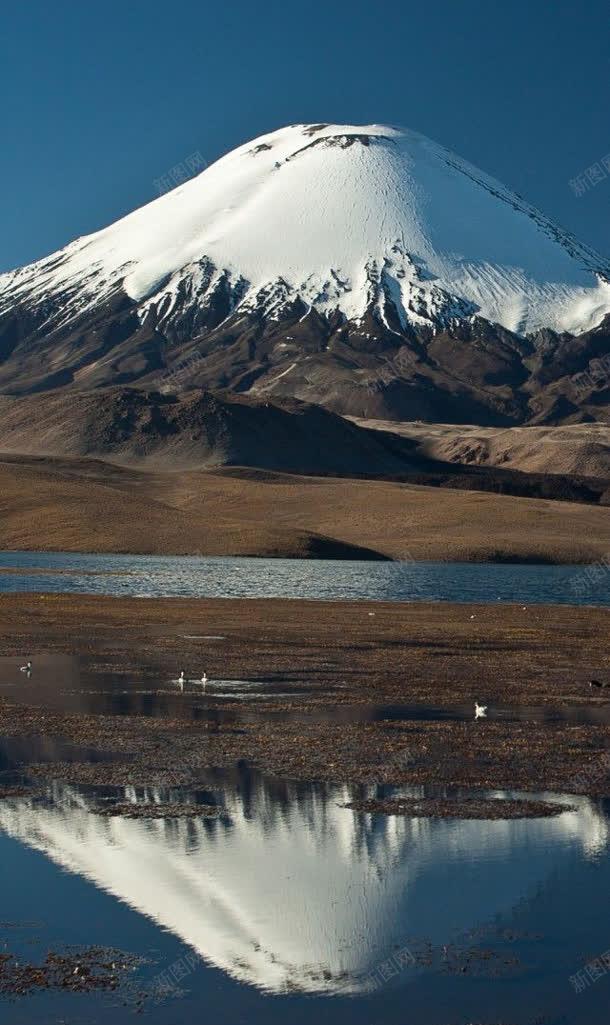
[(202, 681), (480, 711)]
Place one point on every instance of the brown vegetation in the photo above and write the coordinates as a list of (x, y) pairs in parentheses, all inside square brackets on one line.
[(87, 505)]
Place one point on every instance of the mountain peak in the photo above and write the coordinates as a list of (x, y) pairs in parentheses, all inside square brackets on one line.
[(315, 205), (309, 239)]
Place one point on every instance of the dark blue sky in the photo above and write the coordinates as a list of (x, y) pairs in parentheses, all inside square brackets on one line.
[(99, 100)]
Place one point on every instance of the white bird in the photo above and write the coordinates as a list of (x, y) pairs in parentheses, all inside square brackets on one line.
[(27, 668), (480, 711), (182, 677), (204, 679)]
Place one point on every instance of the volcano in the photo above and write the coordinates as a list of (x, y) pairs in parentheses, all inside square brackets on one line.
[(362, 268)]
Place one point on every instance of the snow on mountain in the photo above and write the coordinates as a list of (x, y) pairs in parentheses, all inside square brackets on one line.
[(347, 218)]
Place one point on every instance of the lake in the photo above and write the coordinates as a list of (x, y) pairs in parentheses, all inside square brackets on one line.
[(209, 577), (291, 907)]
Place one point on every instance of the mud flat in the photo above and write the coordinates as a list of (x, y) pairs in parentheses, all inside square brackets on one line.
[(466, 808), (78, 971), (546, 728)]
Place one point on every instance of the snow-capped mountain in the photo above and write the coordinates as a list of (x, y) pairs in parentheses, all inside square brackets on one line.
[(347, 265)]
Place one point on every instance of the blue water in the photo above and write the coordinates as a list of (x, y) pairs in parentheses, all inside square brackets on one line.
[(292, 907), (155, 576)]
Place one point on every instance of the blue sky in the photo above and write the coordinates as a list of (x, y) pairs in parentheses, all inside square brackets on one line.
[(100, 100)]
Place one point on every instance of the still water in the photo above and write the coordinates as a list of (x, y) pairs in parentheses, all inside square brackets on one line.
[(189, 576), (65, 683), (291, 907)]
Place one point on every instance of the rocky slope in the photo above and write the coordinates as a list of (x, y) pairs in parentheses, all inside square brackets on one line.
[(197, 430), (582, 448)]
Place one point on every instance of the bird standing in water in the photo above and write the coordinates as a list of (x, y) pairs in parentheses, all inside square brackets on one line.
[(480, 711), (27, 668)]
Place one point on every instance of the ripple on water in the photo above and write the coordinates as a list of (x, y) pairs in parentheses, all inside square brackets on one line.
[(222, 577)]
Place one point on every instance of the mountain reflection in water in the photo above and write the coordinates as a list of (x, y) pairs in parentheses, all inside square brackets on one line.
[(292, 892)]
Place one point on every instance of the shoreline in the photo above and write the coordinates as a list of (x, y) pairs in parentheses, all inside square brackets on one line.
[(476, 559)]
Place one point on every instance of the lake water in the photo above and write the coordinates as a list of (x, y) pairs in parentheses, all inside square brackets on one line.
[(67, 684), (192, 577), (291, 907)]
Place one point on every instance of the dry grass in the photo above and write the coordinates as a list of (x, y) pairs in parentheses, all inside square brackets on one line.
[(81, 505), (404, 653), (407, 652)]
